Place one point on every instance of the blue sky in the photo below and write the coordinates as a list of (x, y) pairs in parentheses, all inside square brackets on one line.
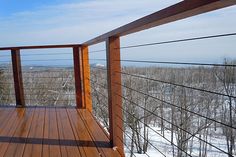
[(28, 22), (9, 7)]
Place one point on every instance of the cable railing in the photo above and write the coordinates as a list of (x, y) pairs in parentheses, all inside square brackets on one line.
[(100, 97), (198, 110), (40, 79), (49, 85), (186, 105), (181, 109), (158, 108), (7, 94), (171, 42)]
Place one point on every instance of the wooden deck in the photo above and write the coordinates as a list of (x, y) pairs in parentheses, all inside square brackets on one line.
[(54, 132)]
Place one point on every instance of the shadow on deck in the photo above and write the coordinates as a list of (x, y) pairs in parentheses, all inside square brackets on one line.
[(39, 131)]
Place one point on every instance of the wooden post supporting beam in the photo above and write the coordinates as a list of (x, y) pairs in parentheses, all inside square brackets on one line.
[(86, 78), (17, 74), (77, 75), (114, 93)]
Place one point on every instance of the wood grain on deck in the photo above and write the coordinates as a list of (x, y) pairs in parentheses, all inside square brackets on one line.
[(51, 132)]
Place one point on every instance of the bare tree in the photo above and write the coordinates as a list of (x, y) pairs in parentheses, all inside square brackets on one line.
[(227, 76)]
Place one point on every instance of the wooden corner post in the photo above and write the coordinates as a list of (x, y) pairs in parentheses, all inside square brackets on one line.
[(17, 75), (86, 78), (77, 75), (114, 93)]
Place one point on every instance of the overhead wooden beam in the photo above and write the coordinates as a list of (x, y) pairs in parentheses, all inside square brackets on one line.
[(78, 77), (182, 10), (17, 75), (86, 78), (114, 93)]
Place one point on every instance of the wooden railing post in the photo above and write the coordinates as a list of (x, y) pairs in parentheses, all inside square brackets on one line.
[(86, 78), (17, 75), (77, 76), (114, 93)]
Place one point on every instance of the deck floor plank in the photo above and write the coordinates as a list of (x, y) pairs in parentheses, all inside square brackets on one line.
[(37, 147), (77, 139), (21, 134), (55, 148), (10, 129), (82, 134), (4, 117), (60, 136), (46, 131), (51, 132), (66, 134), (97, 133), (28, 152)]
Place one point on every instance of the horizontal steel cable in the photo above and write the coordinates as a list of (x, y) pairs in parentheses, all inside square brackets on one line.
[(180, 40), (49, 94), (52, 77), (95, 51), (37, 54), (169, 62), (99, 68), (49, 71), (49, 100), (166, 82), (172, 41), (178, 63), (125, 142), (45, 60), (172, 124), (139, 135), (106, 98), (33, 88), (101, 85), (48, 83), (184, 109), (175, 84), (121, 107), (153, 130)]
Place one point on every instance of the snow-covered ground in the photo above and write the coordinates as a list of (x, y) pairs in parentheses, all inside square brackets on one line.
[(166, 148)]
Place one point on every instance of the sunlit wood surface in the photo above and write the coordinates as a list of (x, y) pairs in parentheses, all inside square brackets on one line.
[(54, 132)]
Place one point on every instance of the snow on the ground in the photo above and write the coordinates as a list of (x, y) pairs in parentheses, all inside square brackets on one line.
[(167, 149)]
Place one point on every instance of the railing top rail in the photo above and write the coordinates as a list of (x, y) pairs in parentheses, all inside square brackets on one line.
[(40, 47), (182, 10)]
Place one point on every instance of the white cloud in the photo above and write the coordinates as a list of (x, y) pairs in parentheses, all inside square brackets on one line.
[(78, 22)]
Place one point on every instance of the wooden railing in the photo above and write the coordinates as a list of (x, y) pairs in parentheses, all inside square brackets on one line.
[(179, 11), (78, 70), (173, 13)]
